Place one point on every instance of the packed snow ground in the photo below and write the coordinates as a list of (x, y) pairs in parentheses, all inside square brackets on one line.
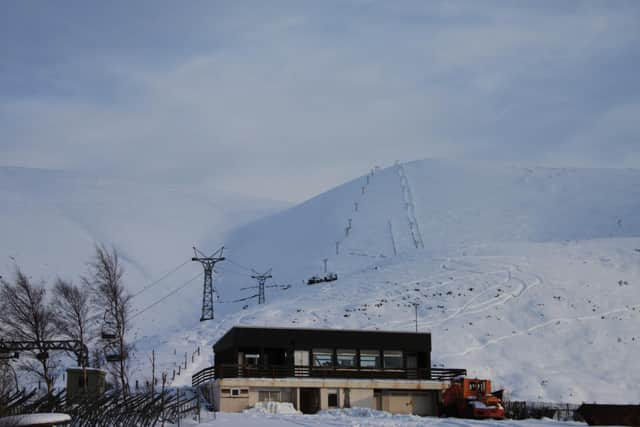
[(359, 417)]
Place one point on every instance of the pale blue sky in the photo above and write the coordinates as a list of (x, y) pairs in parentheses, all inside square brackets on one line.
[(284, 99)]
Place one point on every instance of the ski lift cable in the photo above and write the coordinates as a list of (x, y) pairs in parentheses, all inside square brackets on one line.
[(237, 300), (167, 295), (241, 266), (230, 268), (155, 282)]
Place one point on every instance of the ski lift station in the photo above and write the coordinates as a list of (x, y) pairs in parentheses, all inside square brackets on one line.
[(322, 368)]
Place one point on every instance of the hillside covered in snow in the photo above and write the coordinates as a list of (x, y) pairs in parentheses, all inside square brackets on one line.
[(51, 220), (529, 276)]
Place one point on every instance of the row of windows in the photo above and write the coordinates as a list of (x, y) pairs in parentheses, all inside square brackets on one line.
[(348, 359)]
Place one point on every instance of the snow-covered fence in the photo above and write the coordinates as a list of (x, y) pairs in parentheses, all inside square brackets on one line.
[(520, 410), (32, 401), (144, 409)]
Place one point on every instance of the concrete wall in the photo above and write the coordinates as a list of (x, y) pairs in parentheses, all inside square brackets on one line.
[(361, 398), (234, 404), (419, 398), (397, 402)]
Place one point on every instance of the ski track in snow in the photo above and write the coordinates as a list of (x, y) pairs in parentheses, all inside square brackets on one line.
[(551, 322)]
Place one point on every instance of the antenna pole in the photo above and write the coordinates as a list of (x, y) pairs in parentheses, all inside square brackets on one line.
[(208, 262)]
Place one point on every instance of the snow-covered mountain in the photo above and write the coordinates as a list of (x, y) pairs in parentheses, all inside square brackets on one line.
[(50, 220), (529, 276)]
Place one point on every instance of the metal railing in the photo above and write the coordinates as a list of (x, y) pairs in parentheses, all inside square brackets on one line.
[(203, 376), (447, 374), (287, 371)]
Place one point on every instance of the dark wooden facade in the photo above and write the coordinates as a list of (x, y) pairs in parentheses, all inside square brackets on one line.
[(273, 351)]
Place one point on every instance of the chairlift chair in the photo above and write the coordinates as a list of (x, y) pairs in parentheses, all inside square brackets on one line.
[(113, 354), (112, 357), (108, 331)]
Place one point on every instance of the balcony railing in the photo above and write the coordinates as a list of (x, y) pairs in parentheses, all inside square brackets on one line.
[(285, 371)]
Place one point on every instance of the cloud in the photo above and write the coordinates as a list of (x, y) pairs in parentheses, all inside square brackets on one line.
[(287, 99)]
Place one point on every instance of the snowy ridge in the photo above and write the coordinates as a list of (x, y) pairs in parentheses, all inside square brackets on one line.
[(529, 276)]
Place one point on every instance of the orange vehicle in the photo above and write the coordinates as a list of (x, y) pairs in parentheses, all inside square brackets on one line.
[(472, 398)]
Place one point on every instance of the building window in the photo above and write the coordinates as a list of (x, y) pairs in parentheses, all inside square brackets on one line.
[(269, 396), (252, 360), (332, 397), (322, 357), (235, 392), (370, 359), (393, 360), (346, 358)]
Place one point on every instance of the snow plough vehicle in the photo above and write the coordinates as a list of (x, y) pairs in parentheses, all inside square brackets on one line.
[(471, 398)]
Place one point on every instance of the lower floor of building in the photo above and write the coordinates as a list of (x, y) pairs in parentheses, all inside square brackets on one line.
[(400, 397)]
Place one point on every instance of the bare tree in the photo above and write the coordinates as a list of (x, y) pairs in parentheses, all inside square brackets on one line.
[(105, 279), (26, 316), (74, 315), (8, 379), (151, 384)]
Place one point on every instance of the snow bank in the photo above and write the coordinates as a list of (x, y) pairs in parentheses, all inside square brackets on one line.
[(281, 408), (395, 419), (34, 419)]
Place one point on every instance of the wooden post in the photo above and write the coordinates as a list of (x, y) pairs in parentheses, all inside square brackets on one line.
[(178, 406)]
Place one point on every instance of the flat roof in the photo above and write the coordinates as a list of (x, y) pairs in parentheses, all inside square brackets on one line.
[(288, 328), (79, 369), (306, 338)]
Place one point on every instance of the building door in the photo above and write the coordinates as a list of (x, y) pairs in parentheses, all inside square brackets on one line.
[(425, 404), (412, 366), (309, 400), (301, 363)]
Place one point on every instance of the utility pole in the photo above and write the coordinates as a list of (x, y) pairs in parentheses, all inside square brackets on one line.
[(261, 278), (415, 306), (325, 264), (208, 262)]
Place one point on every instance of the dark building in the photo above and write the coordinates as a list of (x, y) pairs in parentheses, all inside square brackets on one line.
[(323, 368)]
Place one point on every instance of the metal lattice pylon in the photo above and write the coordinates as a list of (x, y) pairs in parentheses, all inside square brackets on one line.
[(261, 278), (208, 262)]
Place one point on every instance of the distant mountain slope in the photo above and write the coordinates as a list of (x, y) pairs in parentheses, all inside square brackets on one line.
[(547, 321), (439, 206), (527, 275), (50, 220)]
